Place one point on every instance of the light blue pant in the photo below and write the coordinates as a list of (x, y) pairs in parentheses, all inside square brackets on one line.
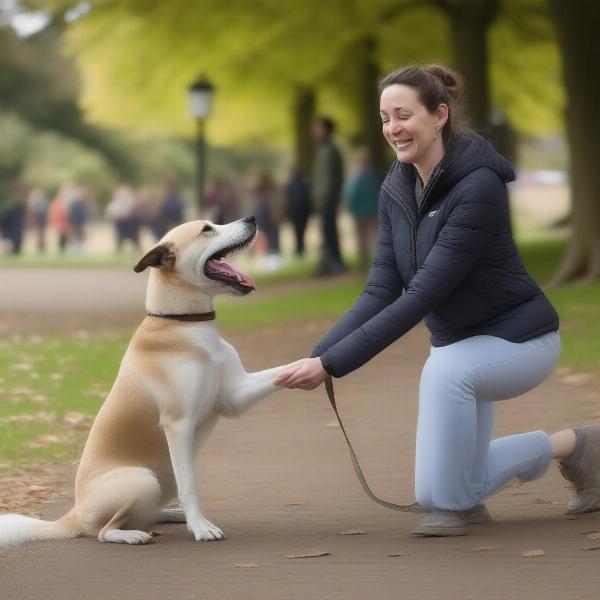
[(457, 464)]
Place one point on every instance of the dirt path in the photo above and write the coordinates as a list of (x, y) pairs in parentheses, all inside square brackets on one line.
[(279, 482), (38, 300)]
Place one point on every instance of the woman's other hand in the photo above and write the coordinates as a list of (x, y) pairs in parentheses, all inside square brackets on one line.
[(304, 374)]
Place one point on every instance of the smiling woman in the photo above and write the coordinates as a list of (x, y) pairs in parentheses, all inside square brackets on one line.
[(445, 254)]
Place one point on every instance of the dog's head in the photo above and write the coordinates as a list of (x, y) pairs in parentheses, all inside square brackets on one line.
[(193, 252)]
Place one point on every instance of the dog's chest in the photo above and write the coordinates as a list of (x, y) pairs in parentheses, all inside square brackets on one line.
[(197, 376)]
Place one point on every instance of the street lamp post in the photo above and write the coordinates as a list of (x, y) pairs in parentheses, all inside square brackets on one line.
[(200, 96)]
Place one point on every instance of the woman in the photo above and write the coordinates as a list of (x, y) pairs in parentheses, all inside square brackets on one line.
[(445, 253)]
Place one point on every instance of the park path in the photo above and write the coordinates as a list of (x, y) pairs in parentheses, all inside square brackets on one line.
[(279, 482), (40, 300)]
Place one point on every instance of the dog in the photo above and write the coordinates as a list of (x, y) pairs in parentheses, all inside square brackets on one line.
[(177, 377)]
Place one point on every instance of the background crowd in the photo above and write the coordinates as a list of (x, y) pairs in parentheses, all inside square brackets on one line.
[(330, 188)]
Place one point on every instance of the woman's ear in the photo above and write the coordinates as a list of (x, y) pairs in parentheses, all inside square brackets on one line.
[(160, 256), (441, 115)]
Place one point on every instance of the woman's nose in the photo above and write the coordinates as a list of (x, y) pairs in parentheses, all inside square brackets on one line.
[(395, 127)]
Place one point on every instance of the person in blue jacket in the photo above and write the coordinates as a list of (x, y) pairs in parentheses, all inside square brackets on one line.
[(445, 254)]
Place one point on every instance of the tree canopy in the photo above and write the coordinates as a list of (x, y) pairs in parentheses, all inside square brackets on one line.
[(138, 56)]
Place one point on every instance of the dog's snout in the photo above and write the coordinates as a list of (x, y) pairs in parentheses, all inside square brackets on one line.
[(251, 219)]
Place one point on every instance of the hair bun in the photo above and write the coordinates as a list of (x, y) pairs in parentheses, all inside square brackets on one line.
[(449, 78)]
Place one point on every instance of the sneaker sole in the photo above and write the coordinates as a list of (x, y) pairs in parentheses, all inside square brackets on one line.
[(440, 532)]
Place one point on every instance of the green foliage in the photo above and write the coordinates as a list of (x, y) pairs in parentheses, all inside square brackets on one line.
[(525, 68), (47, 158), (146, 55)]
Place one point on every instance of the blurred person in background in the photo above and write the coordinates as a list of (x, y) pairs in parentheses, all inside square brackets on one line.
[(297, 195), (361, 194), (149, 204), (326, 190), (58, 215), (172, 207), (12, 219), (79, 214), (266, 206), (221, 201), (37, 216), (123, 211)]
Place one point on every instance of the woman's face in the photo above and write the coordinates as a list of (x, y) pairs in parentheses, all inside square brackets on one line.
[(408, 126)]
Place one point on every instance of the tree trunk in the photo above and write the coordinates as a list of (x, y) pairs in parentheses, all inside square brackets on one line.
[(303, 115), (371, 134), (470, 21), (577, 25)]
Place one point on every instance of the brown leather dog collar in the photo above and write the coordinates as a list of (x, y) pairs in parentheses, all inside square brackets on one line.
[(207, 316)]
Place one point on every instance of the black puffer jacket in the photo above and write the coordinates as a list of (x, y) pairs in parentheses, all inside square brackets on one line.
[(452, 262)]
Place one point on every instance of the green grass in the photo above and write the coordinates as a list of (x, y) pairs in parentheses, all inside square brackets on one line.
[(44, 380)]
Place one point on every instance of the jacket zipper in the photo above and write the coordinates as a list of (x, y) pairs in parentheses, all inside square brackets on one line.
[(413, 226), (414, 221)]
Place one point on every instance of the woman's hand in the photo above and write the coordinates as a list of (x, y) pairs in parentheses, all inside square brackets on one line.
[(304, 374)]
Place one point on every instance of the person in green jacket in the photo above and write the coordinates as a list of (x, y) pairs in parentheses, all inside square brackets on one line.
[(361, 194)]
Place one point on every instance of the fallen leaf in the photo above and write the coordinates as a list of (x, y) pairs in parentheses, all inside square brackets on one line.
[(56, 376), (42, 441), (21, 366), (351, 532), (315, 554), (530, 553), (246, 565), (395, 554), (296, 503), (578, 379), (485, 548), (591, 548), (22, 391), (595, 535)]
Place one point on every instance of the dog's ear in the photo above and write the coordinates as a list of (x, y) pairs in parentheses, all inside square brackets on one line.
[(162, 255)]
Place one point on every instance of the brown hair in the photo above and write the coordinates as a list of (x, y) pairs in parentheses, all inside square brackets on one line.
[(435, 85)]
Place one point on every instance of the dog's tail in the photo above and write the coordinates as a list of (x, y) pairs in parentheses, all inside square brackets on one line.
[(18, 529)]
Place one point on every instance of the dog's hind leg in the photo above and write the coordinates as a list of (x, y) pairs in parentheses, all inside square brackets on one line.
[(112, 533), (171, 515), (120, 504)]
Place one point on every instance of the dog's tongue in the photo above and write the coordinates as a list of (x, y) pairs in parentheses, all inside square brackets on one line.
[(223, 267)]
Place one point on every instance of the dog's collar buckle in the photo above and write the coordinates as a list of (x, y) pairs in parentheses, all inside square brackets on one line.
[(207, 316)]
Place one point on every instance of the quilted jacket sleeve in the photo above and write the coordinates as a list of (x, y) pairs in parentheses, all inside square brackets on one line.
[(383, 286), (459, 246)]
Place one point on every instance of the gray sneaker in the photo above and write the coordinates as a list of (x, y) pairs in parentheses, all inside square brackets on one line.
[(441, 523), (582, 469), (478, 515)]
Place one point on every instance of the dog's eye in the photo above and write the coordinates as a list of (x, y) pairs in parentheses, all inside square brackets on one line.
[(207, 228)]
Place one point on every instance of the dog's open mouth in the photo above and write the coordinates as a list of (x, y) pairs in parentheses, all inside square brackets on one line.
[(217, 269)]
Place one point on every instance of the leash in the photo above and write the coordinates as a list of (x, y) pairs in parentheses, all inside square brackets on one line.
[(414, 507)]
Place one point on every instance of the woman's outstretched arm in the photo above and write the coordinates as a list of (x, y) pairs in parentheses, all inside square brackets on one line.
[(383, 286)]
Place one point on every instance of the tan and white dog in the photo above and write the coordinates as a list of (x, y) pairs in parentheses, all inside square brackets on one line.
[(176, 378)]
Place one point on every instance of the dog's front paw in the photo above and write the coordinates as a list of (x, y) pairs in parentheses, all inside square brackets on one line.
[(205, 531)]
